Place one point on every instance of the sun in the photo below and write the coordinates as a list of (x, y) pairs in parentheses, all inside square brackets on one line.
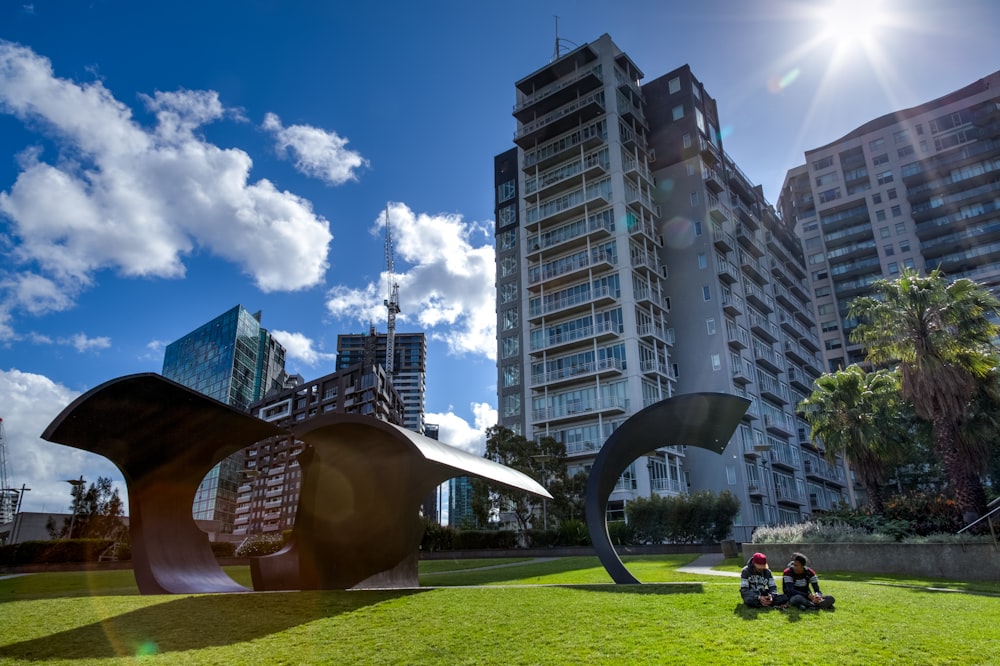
[(852, 25)]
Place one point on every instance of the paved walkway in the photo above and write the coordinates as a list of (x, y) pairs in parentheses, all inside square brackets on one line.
[(703, 565)]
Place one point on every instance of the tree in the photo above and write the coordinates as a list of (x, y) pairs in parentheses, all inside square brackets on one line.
[(96, 513), (857, 415), (544, 461), (942, 337)]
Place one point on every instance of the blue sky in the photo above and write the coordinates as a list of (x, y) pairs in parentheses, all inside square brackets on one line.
[(161, 162)]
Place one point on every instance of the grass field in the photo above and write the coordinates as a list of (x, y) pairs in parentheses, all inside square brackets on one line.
[(562, 611)]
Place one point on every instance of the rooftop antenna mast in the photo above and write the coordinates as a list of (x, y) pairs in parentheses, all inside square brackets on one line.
[(391, 303), (556, 51)]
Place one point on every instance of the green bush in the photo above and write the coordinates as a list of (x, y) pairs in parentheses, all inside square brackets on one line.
[(436, 537), (573, 533), (223, 548), (621, 533), (701, 517), (481, 539), (258, 545), (54, 552)]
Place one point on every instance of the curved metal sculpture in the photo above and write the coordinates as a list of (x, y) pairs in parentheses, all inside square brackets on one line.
[(706, 420), (362, 484), (362, 481)]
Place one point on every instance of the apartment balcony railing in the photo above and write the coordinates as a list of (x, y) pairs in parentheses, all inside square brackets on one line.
[(602, 328), (655, 331), (568, 266), (578, 408), (652, 367), (602, 224), (591, 104), (571, 300), (526, 101), (578, 371), (567, 174), (553, 151)]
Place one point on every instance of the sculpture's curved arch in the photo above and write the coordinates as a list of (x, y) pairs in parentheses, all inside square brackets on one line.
[(706, 420)]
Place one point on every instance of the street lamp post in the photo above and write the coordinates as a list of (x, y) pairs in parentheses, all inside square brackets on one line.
[(649, 467), (77, 484), (543, 458)]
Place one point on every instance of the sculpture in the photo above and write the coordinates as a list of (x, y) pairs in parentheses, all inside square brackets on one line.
[(362, 482), (705, 420)]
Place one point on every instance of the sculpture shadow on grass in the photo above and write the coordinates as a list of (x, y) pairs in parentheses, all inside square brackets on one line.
[(357, 520), (193, 623), (705, 420)]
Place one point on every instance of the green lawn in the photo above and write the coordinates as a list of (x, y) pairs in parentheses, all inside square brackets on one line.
[(562, 611)]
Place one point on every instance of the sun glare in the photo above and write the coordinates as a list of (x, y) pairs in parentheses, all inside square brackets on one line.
[(852, 25)]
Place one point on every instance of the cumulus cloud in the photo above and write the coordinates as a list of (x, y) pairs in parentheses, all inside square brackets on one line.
[(457, 432), (317, 153), (300, 348), (447, 288), (29, 402), (82, 343), (138, 199)]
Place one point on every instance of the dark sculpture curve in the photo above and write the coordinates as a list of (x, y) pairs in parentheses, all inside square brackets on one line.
[(705, 420), (165, 438)]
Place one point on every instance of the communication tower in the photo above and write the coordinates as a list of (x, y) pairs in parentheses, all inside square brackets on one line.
[(8, 496)]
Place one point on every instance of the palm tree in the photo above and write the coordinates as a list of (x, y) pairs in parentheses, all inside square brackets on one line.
[(854, 414), (942, 337)]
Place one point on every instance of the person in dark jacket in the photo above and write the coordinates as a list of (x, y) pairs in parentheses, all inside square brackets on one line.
[(796, 581), (757, 586)]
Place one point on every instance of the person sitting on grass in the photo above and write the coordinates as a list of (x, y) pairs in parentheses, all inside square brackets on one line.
[(757, 586), (796, 581)]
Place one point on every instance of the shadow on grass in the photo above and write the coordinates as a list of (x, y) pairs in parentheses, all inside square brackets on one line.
[(645, 588), (792, 614), (196, 622)]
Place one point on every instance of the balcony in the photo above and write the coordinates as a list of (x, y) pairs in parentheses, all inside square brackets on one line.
[(567, 303), (561, 148), (799, 379), (717, 210), (724, 241), (728, 273), (653, 332), (646, 262), (580, 110), (738, 337), (568, 269), (601, 331), (756, 296), (579, 408), (596, 227), (603, 368), (763, 326), (713, 180), (749, 240), (557, 93), (570, 205), (653, 367), (779, 423), (752, 267), (767, 358), (566, 176), (732, 303)]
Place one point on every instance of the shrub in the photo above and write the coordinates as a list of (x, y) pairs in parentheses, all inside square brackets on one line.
[(621, 533), (223, 548), (573, 533), (480, 539), (258, 545), (54, 552), (437, 537), (701, 517)]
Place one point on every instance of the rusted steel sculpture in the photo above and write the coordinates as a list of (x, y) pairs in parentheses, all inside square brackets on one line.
[(362, 483), (706, 420)]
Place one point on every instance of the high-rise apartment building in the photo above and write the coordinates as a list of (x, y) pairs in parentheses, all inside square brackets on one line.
[(268, 495), (409, 367), (636, 261), (917, 188), (236, 361)]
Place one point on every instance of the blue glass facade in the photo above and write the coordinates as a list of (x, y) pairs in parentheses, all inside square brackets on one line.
[(236, 361)]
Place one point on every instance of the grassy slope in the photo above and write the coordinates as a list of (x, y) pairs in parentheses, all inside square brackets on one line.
[(98, 618)]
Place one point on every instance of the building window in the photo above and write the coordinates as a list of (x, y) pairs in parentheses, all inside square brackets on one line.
[(826, 179), (893, 268), (833, 343), (506, 239), (905, 151), (891, 192), (877, 144), (674, 369), (884, 178), (508, 292), (877, 198), (508, 319), (900, 228), (510, 346), (512, 405), (696, 91), (829, 195), (828, 326), (880, 159), (686, 140), (716, 362), (697, 229), (888, 250), (506, 216), (823, 163), (508, 266), (694, 198), (702, 260), (699, 119), (710, 326), (908, 263), (511, 376), (816, 258), (706, 293), (690, 167), (897, 211), (883, 232), (812, 243), (678, 112), (904, 245), (505, 191), (826, 308), (880, 216), (674, 85), (901, 136), (820, 275), (822, 291)]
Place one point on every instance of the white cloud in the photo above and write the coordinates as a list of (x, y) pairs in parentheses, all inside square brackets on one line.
[(135, 199), (317, 152), (447, 289), (82, 343), (456, 431), (300, 348), (29, 402)]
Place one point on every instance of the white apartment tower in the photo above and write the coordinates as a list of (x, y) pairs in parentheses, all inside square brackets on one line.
[(636, 261)]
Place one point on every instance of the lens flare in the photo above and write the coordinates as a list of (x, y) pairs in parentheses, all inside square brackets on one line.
[(778, 83), (678, 233)]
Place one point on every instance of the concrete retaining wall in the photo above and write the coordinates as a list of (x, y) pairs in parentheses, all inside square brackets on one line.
[(978, 561)]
